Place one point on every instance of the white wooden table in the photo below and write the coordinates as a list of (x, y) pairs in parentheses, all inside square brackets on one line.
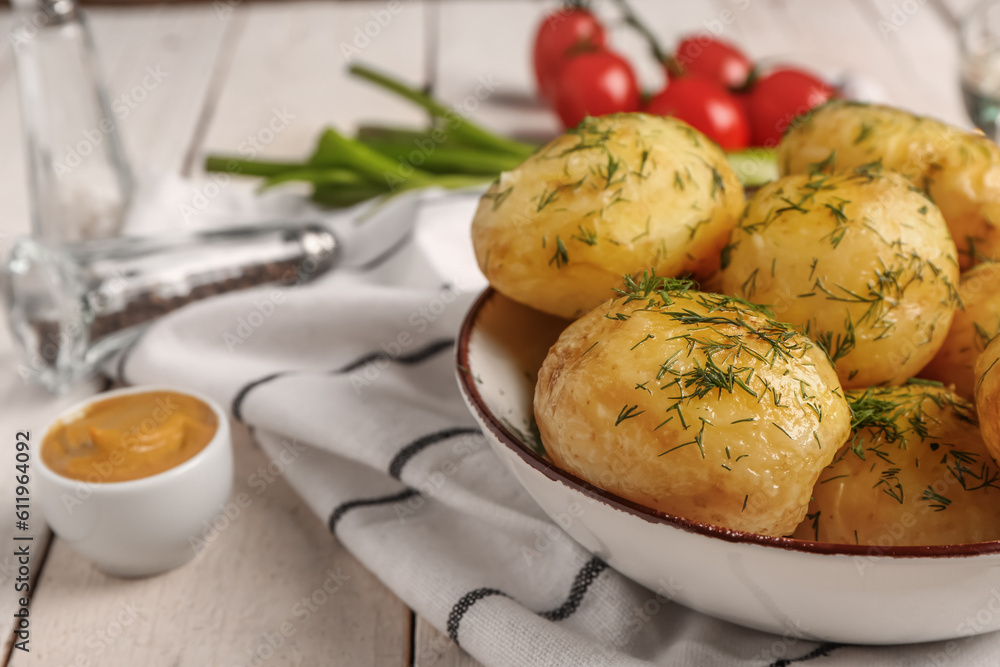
[(229, 66)]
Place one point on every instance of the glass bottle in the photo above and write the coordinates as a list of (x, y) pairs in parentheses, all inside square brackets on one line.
[(73, 306), (80, 183)]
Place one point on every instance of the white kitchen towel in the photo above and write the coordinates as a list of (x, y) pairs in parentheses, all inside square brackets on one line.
[(350, 383)]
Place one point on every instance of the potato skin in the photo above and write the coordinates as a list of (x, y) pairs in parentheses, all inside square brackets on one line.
[(616, 195), (974, 325), (693, 404), (915, 472), (959, 170), (861, 261), (988, 395)]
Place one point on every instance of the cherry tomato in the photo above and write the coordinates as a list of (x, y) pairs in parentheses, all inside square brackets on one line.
[(714, 59), (706, 106), (594, 84), (779, 97), (560, 33)]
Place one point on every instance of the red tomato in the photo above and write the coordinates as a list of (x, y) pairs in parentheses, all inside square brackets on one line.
[(778, 98), (706, 106), (714, 59), (594, 84), (559, 33)]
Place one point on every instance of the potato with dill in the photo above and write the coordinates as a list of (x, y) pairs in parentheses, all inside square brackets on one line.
[(960, 170), (988, 395), (695, 404), (861, 261), (914, 472), (974, 326), (615, 195)]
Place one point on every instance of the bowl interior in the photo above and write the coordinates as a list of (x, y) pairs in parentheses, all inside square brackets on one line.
[(504, 344)]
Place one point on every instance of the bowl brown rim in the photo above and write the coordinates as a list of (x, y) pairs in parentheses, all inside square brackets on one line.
[(468, 384)]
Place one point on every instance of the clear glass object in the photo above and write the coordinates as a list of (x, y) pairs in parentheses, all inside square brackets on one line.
[(79, 179), (71, 307)]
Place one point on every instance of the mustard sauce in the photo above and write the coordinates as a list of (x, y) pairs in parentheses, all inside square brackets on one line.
[(129, 437)]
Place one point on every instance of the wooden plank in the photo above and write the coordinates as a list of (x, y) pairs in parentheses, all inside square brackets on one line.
[(932, 71), (763, 28), (485, 48), (291, 60), (433, 649), (844, 37), (270, 585)]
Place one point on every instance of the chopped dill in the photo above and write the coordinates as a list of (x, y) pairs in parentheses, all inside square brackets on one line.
[(587, 236), (628, 413), (498, 197), (814, 522), (825, 165), (937, 502), (648, 336), (546, 198), (561, 256), (864, 132)]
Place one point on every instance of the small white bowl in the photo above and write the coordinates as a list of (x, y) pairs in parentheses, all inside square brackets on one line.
[(799, 589), (144, 526)]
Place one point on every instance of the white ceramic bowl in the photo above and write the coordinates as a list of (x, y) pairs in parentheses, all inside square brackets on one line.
[(143, 526), (841, 593)]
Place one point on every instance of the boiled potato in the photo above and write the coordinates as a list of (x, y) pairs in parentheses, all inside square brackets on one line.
[(959, 170), (613, 196), (915, 472), (988, 395), (861, 261), (975, 324), (694, 404)]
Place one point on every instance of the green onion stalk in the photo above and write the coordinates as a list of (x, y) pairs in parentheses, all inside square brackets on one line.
[(454, 152)]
